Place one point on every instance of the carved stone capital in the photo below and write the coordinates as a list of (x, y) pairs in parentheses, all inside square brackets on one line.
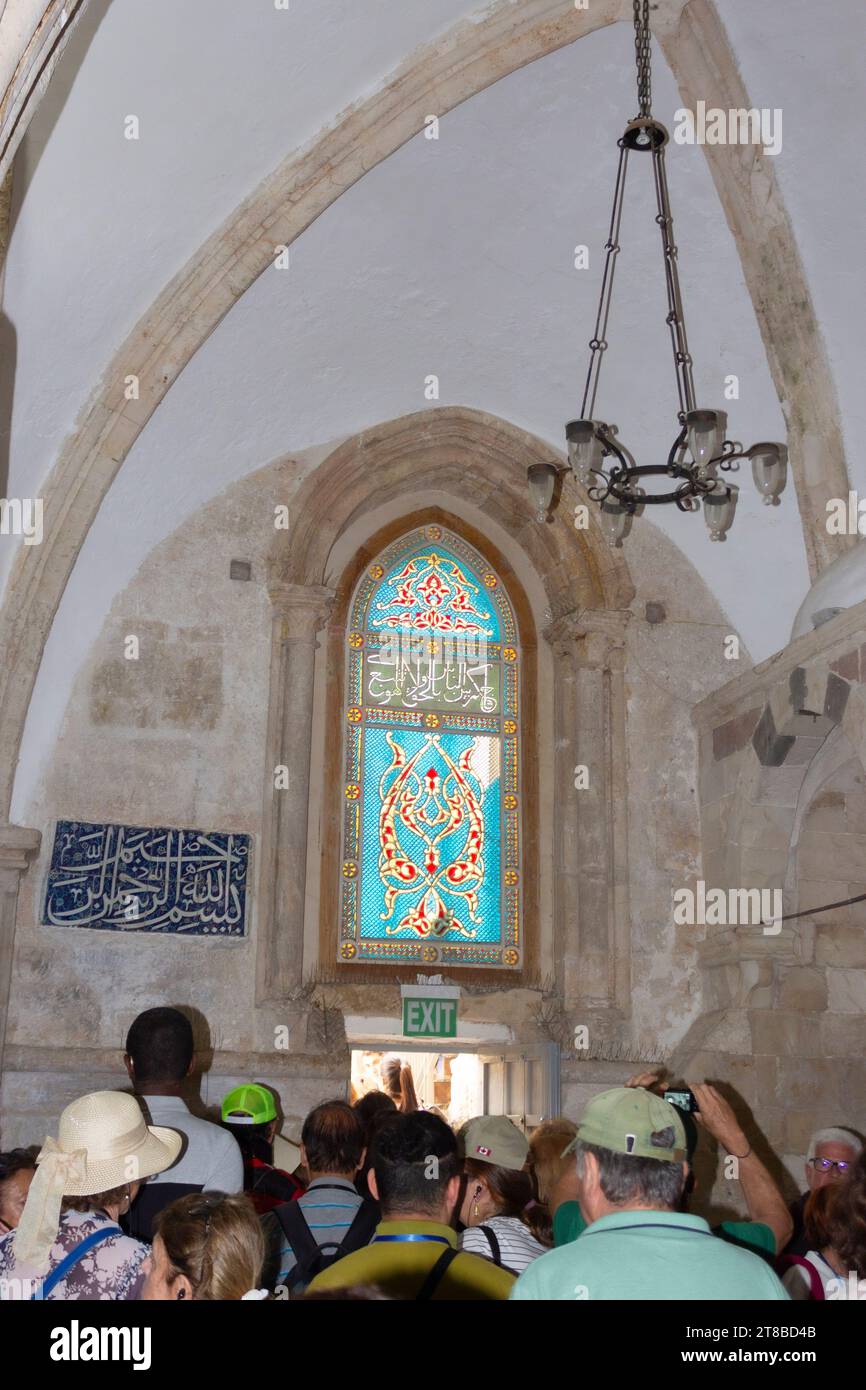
[(301, 608), (592, 637), (17, 844)]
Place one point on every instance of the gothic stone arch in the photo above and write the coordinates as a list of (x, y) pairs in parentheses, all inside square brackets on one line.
[(454, 452)]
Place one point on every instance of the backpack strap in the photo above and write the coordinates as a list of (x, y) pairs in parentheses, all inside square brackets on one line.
[(437, 1273), (297, 1232), (492, 1241), (816, 1283), (76, 1254), (364, 1223)]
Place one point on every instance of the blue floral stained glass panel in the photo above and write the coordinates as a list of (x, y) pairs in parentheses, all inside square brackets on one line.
[(431, 829)]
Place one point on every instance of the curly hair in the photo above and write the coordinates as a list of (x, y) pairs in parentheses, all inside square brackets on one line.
[(847, 1218)]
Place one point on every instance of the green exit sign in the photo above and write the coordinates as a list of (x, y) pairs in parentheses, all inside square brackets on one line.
[(429, 1017)]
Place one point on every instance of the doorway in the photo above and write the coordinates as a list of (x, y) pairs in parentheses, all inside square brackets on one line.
[(459, 1082)]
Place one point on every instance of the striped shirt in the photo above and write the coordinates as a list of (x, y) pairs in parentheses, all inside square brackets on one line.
[(329, 1213), (518, 1247)]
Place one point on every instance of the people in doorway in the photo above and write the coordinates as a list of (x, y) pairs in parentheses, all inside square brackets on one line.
[(17, 1170), (830, 1157), (400, 1084), (632, 1167), (416, 1176), (207, 1246), (160, 1055), (68, 1243), (374, 1110), (331, 1218), (249, 1113), (504, 1220)]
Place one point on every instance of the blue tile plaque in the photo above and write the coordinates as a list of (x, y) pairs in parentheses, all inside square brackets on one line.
[(147, 879)]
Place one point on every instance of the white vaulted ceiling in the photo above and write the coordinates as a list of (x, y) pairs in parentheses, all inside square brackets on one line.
[(452, 257)]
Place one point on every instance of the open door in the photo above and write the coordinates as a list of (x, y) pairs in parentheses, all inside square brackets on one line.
[(522, 1083)]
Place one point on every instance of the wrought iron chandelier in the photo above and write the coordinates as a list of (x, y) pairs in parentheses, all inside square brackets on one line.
[(700, 450)]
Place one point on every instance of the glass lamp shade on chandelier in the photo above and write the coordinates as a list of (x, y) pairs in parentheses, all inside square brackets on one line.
[(700, 451)]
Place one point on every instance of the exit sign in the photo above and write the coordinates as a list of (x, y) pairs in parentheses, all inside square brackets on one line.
[(429, 1017)]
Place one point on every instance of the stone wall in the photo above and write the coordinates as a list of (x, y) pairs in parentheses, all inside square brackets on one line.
[(178, 738), (782, 807)]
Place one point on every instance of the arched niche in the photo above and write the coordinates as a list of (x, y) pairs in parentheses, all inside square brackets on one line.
[(566, 585)]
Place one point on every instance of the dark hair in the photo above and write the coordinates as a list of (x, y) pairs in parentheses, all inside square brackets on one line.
[(17, 1161), (848, 1218), (160, 1043), (402, 1152), (96, 1201), (252, 1140), (515, 1194), (627, 1178), (382, 1115), (400, 1084), (370, 1107), (818, 1217), (333, 1138)]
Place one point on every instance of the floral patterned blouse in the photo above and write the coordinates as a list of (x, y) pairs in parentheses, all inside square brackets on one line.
[(110, 1270)]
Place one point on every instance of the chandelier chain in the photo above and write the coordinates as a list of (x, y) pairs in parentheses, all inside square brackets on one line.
[(676, 319), (642, 56), (598, 342)]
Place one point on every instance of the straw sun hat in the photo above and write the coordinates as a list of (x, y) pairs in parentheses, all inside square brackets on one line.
[(102, 1143)]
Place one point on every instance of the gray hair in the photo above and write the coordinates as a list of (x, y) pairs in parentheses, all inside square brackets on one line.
[(625, 1178), (835, 1136)]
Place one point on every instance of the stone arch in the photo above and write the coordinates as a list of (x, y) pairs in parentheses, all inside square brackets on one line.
[(441, 75), (446, 453), (463, 452)]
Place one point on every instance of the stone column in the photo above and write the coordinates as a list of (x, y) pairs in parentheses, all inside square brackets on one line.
[(592, 916), (299, 612), (561, 634), (17, 843)]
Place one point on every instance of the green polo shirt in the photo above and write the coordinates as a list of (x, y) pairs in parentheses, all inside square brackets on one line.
[(568, 1224), (399, 1267), (648, 1255)]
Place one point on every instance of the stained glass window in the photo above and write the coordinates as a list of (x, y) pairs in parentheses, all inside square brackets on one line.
[(431, 798)]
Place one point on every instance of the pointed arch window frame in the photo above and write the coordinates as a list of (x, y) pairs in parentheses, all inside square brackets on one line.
[(517, 878)]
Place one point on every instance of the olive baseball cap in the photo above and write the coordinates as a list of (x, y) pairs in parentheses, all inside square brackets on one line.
[(626, 1120), (495, 1139)]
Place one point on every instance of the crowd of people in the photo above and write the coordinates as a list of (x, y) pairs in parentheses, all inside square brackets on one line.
[(137, 1197)]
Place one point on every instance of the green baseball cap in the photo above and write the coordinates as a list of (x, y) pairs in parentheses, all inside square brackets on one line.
[(495, 1139), (625, 1120), (249, 1105)]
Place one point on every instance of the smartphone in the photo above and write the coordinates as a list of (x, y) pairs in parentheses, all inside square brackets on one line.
[(683, 1100)]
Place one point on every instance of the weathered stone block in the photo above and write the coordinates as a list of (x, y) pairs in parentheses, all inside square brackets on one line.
[(785, 1034), (803, 988), (732, 736), (805, 1082), (847, 991), (841, 946), (848, 666), (843, 1035)]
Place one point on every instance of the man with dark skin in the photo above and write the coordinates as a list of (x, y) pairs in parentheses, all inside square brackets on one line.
[(159, 1056)]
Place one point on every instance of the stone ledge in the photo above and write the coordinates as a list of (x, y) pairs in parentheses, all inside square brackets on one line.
[(832, 641)]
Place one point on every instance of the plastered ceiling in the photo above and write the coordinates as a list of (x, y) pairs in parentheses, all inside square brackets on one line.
[(453, 257)]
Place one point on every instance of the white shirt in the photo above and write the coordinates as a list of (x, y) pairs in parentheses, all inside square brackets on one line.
[(796, 1279), (210, 1158), (518, 1247)]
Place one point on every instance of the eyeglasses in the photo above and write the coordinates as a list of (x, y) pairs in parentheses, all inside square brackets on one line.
[(826, 1165)]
